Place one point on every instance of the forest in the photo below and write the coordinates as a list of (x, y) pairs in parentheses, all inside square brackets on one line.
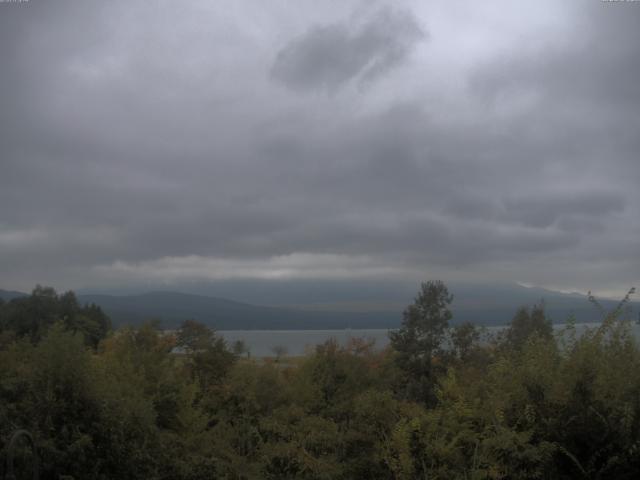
[(443, 401)]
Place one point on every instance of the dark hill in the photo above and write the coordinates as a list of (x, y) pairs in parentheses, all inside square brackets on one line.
[(171, 308), (493, 305), (482, 305), (7, 295)]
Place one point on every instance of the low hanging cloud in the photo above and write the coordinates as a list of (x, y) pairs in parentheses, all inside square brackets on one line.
[(282, 267), (327, 57)]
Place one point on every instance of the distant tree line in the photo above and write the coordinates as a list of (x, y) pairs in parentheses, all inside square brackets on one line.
[(438, 403)]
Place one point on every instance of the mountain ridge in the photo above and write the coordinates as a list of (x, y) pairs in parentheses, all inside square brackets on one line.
[(482, 305)]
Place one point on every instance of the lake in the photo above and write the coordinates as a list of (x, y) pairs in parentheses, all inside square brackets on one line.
[(299, 342)]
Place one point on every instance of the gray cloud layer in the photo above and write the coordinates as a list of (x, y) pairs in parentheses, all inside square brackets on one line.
[(156, 143)]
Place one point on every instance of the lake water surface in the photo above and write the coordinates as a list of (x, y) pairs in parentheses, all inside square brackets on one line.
[(298, 342)]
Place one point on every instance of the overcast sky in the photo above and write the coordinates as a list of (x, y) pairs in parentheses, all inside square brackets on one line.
[(170, 142)]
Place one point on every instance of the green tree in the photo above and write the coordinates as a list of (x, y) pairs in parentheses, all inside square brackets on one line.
[(208, 358), (194, 336), (526, 323), (419, 340), (31, 317), (464, 339), (240, 348), (280, 351)]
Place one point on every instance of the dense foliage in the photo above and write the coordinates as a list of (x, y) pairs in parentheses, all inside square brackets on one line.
[(146, 404)]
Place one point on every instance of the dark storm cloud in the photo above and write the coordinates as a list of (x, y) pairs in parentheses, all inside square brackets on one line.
[(157, 150), (329, 56)]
